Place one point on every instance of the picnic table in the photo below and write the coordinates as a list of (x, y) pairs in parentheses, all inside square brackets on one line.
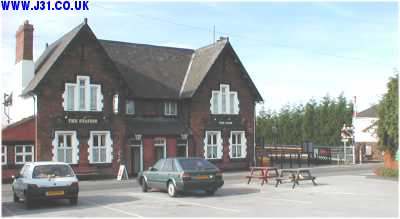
[(295, 175), (262, 173)]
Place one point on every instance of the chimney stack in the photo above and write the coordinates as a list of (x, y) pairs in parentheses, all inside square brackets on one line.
[(25, 67), (24, 42)]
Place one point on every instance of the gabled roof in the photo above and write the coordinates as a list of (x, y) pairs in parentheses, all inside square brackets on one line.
[(371, 112), (49, 57), (150, 71)]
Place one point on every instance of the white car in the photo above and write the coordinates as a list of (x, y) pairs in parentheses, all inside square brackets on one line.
[(45, 180)]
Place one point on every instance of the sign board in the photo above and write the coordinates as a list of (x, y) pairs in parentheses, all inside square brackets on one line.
[(82, 121), (122, 172)]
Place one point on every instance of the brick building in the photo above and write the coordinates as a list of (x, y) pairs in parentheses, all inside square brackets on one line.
[(103, 103)]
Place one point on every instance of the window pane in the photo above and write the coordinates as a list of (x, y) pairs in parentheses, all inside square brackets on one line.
[(103, 155), (82, 104), (215, 152), (239, 151), (70, 97), (28, 149), (102, 140), (19, 158), (214, 139), (69, 141), (68, 153), (239, 138), (130, 107), (233, 139), (60, 140), (175, 110), (95, 140), (95, 155), (60, 155), (232, 103), (223, 100), (93, 98), (28, 158), (215, 102), (209, 152), (18, 149), (233, 151)]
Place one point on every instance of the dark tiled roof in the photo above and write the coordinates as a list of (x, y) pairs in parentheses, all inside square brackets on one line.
[(156, 126), (150, 71), (201, 62), (371, 112), (49, 57)]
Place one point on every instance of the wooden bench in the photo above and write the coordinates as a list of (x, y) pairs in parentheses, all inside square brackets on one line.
[(262, 173), (295, 175)]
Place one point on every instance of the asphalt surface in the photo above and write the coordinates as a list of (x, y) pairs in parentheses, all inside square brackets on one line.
[(341, 191)]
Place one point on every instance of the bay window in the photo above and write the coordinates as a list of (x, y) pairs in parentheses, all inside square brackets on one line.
[(237, 144), (224, 101), (82, 95), (213, 145), (100, 147), (65, 147)]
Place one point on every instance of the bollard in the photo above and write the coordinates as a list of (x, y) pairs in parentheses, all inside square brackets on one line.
[(308, 159)]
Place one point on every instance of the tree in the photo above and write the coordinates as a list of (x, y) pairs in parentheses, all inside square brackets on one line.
[(388, 113)]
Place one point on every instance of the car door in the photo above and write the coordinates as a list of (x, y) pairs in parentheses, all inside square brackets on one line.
[(153, 174), (165, 173), (19, 184)]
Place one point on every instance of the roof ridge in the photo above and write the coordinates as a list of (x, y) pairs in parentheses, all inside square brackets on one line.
[(186, 74), (212, 44), (143, 44), (19, 122)]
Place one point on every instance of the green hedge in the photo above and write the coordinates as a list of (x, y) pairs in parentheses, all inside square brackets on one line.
[(387, 172)]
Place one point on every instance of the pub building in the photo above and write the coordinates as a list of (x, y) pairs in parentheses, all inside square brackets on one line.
[(103, 103)]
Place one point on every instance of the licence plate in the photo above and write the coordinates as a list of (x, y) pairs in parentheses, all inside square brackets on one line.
[(202, 177), (54, 193)]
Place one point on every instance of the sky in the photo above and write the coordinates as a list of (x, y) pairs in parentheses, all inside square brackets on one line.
[(292, 51)]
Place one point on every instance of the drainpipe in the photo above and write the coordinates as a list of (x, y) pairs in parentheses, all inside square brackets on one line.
[(35, 118), (254, 136)]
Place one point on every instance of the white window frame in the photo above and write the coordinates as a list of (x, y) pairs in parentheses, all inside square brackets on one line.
[(74, 145), (128, 102), (161, 144), (23, 153), (108, 146), (170, 108), (216, 107), (76, 99), (218, 145), (4, 155), (242, 145)]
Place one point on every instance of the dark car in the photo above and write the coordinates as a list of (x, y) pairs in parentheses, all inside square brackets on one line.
[(180, 175)]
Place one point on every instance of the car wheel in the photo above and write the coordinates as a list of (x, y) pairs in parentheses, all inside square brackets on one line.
[(28, 202), (16, 199), (73, 201), (171, 189), (145, 187), (211, 192)]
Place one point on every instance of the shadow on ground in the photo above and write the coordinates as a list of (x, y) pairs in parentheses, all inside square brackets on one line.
[(48, 206)]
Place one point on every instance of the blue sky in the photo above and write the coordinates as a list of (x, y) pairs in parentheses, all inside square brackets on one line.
[(293, 51)]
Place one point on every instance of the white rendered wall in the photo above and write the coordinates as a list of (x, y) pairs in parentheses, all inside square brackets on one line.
[(362, 135)]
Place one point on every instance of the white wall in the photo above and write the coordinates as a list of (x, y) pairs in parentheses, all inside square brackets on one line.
[(360, 124)]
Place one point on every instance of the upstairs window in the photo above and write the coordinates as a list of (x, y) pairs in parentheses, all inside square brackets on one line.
[(115, 103), (224, 101), (170, 109), (82, 96), (130, 107)]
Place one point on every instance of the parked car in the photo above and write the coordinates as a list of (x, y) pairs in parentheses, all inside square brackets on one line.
[(45, 180), (180, 175)]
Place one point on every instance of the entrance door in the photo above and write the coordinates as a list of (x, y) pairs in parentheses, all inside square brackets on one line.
[(135, 161)]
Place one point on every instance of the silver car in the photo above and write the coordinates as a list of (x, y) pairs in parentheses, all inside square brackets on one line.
[(45, 180)]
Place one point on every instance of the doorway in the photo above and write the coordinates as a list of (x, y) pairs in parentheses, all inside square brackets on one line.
[(136, 152)]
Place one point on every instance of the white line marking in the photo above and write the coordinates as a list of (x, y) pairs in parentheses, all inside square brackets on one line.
[(114, 209), (286, 200), (191, 203)]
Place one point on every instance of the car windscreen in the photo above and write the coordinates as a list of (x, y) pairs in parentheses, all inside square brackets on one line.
[(196, 164), (45, 171)]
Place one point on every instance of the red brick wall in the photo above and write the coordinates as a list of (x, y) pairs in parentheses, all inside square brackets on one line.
[(389, 161), (148, 152), (171, 146), (227, 71), (83, 56)]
